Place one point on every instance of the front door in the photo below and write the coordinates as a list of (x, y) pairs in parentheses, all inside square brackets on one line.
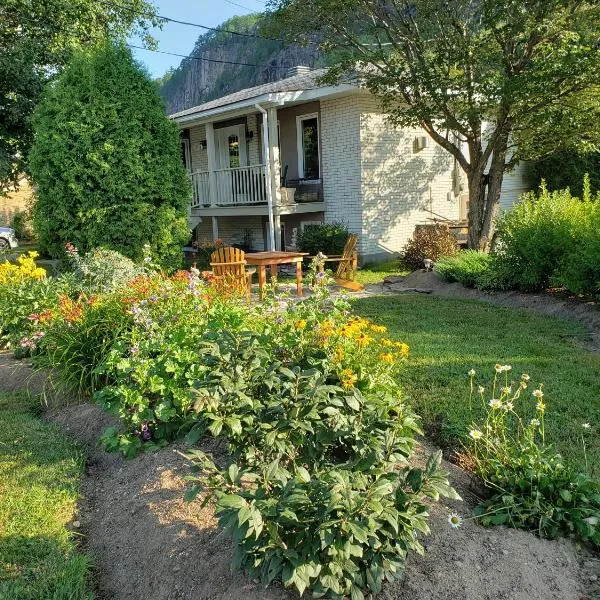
[(230, 147)]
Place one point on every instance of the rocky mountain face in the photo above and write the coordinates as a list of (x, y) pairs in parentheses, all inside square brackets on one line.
[(196, 81)]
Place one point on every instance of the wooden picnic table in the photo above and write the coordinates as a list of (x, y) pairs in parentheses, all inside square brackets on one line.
[(273, 259)]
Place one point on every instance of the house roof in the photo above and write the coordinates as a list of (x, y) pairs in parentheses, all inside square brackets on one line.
[(298, 83)]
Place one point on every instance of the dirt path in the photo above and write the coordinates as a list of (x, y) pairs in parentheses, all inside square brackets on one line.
[(145, 542), (586, 313)]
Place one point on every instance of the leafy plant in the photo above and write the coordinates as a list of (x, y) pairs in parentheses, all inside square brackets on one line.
[(102, 270), (320, 494), (22, 224), (535, 238), (429, 241), (328, 238), (530, 485), (465, 267), (127, 186)]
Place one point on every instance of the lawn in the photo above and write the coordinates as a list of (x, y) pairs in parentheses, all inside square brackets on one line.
[(377, 272), (448, 337), (40, 471)]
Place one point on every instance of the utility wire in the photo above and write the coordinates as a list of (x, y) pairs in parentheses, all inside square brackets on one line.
[(251, 10), (205, 27), (214, 60)]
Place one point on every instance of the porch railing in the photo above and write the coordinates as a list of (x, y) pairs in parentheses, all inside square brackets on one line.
[(232, 187), (200, 189)]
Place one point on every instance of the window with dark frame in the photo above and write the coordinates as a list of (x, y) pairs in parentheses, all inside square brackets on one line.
[(309, 131)]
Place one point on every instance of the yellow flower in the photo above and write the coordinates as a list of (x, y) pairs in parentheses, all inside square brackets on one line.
[(378, 328), (404, 349), (300, 324), (386, 342), (363, 340), (387, 357), (339, 355), (345, 331), (348, 379)]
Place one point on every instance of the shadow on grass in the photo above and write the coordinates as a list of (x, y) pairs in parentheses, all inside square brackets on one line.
[(40, 472), (449, 336)]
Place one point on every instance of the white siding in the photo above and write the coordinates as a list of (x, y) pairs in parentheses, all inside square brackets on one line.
[(231, 230), (399, 184), (516, 183), (340, 156), (199, 155)]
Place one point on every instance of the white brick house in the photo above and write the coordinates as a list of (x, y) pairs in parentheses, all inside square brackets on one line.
[(293, 152)]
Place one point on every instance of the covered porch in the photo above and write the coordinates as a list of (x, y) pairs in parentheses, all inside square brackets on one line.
[(257, 153), (263, 163)]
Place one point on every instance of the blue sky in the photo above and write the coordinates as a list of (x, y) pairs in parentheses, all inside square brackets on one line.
[(181, 38)]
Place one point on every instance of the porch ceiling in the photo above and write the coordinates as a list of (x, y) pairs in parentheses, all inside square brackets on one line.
[(261, 209)]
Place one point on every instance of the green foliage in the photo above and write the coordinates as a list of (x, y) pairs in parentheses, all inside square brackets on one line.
[(443, 67), (102, 270), (449, 336), (23, 226), (531, 486), (328, 238), (37, 37), (535, 238), (320, 493), (465, 267), (430, 241), (567, 169), (40, 470), (106, 162), (579, 271), (19, 302)]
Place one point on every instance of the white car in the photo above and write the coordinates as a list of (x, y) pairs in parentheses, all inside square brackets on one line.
[(8, 239)]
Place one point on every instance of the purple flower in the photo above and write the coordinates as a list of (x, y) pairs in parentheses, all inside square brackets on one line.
[(146, 432), (279, 321), (134, 349), (320, 275)]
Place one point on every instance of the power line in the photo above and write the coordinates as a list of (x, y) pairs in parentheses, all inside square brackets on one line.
[(252, 10), (205, 27), (213, 60)]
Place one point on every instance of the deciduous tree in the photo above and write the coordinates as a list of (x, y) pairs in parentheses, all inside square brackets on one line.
[(491, 81)]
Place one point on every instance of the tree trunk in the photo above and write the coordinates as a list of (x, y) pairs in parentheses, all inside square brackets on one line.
[(484, 197)]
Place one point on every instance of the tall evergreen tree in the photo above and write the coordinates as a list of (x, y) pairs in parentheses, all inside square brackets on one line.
[(106, 161)]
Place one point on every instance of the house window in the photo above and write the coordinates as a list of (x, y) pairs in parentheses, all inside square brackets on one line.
[(233, 142), (308, 146)]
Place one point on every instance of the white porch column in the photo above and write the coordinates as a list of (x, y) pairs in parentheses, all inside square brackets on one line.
[(269, 178), (212, 166), (275, 169), (215, 227)]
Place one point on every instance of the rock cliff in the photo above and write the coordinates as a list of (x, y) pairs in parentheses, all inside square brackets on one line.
[(196, 81)]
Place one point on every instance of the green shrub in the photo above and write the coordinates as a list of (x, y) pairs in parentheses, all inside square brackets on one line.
[(106, 162), (23, 226), (466, 267), (328, 238), (579, 270), (320, 494), (567, 169), (429, 241), (534, 238), (530, 485), (102, 270)]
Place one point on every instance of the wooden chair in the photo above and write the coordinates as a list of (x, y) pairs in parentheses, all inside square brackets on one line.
[(345, 274), (229, 271)]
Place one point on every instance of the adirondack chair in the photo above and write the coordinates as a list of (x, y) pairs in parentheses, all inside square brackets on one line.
[(229, 271), (348, 264)]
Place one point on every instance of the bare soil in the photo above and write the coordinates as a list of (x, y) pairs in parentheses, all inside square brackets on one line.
[(145, 542)]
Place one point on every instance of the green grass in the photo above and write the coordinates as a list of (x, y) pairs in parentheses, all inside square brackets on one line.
[(377, 272), (448, 337), (40, 471)]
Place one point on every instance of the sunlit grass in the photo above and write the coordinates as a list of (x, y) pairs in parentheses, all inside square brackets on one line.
[(40, 470), (448, 337), (377, 272)]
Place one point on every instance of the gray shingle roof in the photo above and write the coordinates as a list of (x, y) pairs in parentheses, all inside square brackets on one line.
[(303, 81)]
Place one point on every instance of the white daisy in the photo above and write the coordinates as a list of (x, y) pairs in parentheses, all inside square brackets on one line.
[(455, 520), (495, 403), (475, 434)]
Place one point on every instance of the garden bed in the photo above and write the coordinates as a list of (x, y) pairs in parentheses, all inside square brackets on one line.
[(146, 542)]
